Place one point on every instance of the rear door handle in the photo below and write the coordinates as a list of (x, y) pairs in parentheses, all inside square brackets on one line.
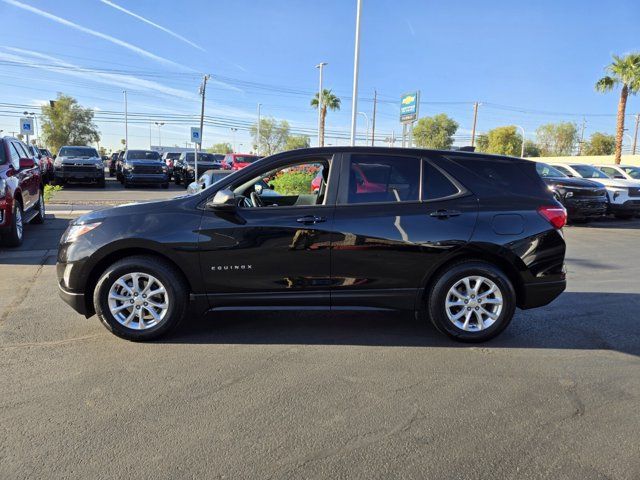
[(311, 219), (445, 213)]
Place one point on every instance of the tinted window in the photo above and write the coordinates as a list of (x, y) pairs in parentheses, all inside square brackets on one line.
[(383, 178), (77, 152), (142, 155), (633, 172), (564, 170), (246, 158), (587, 171), (3, 156), (435, 184), (22, 150), (612, 172), (15, 154), (547, 171), (172, 155)]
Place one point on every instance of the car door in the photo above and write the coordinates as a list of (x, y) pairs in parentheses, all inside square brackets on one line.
[(397, 216), (26, 176), (274, 255)]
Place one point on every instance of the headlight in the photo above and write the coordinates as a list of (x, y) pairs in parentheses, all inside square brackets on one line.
[(57, 162), (164, 168), (128, 166), (100, 165), (76, 231), (616, 191)]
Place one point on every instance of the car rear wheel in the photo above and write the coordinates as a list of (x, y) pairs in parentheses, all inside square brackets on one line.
[(141, 298), (13, 238), (472, 301)]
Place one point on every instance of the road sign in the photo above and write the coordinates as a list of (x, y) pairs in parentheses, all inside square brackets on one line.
[(196, 135), (26, 126), (409, 103)]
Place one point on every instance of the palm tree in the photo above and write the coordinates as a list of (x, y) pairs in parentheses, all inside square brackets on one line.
[(330, 101), (623, 71)]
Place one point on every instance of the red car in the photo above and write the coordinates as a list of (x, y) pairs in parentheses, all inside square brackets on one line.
[(21, 191), (47, 158), (237, 161)]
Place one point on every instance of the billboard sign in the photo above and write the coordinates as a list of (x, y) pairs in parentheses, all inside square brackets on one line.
[(409, 103)]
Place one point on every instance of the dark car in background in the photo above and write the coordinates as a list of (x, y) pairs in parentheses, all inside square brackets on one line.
[(184, 167), (459, 238), (169, 158), (112, 163), (79, 164), (47, 162), (584, 199), (144, 167), (21, 191)]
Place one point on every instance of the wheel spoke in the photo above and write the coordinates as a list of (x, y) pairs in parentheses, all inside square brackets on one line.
[(493, 301), (467, 317), (157, 305), (488, 292), (129, 318), (479, 320), (467, 285), (120, 307), (117, 296), (124, 285), (153, 313)]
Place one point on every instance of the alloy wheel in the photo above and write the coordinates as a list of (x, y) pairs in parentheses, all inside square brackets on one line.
[(474, 303), (18, 221), (138, 301)]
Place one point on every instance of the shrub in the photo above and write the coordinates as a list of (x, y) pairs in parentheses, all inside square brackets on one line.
[(50, 190), (293, 182)]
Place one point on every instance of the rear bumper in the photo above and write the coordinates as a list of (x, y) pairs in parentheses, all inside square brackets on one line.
[(539, 294)]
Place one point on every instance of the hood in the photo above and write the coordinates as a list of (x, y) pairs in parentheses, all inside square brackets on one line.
[(121, 210), (572, 182)]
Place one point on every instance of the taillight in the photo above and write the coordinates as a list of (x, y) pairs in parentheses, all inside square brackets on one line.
[(556, 216)]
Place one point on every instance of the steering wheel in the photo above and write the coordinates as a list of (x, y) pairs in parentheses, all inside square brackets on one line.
[(256, 200), (243, 202)]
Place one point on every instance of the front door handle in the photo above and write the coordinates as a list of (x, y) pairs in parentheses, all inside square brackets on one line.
[(311, 219), (445, 213)]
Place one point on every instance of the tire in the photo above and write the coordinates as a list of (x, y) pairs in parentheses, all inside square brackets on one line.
[(492, 325), (102, 183), (177, 180), (39, 218), (14, 236), (165, 186), (175, 298)]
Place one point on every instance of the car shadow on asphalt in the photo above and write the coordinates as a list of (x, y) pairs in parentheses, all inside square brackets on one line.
[(577, 320), (39, 246)]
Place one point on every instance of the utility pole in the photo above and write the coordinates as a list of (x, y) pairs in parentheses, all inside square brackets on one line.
[(356, 62), (635, 135), (584, 124), (320, 66), (203, 92), (373, 121), (126, 122), (258, 140), (475, 121)]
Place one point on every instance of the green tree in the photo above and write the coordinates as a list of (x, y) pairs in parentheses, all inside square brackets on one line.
[(435, 132), (273, 136), (223, 147), (600, 144), (297, 141), (623, 72), (501, 140), (557, 139), (531, 149), (67, 123), (20, 137), (329, 101)]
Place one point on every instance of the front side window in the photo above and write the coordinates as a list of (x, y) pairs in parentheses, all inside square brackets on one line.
[(633, 172), (383, 178), (612, 172)]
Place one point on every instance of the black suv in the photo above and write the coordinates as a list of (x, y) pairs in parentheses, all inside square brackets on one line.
[(584, 199), (144, 167), (184, 167), (460, 238)]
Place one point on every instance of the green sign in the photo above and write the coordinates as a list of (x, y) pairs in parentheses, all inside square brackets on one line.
[(409, 103)]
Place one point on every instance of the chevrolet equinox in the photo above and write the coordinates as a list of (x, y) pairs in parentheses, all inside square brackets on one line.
[(460, 238)]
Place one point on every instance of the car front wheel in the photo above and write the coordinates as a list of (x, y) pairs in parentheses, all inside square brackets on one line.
[(141, 298), (472, 301)]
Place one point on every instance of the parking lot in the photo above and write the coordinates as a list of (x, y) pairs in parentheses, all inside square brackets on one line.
[(310, 395)]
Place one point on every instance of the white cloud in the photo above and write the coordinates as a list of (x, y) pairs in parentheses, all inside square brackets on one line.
[(149, 22), (103, 36)]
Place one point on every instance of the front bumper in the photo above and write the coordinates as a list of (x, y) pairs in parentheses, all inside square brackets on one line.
[(581, 208), (75, 300), (146, 178), (82, 175), (630, 207)]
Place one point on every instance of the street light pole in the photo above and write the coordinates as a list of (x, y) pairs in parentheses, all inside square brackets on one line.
[(203, 92), (367, 134), (356, 62), (233, 133), (258, 140), (475, 121), (126, 122), (159, 124), (320, 66)]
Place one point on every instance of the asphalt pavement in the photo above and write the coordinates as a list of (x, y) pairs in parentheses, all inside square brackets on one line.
[(310, 395)]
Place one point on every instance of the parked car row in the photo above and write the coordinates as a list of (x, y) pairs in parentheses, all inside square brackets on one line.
[(589, 191), (21, 190)]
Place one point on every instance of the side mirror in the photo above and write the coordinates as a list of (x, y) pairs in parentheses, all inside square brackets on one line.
[(223, 200), (27, 163)]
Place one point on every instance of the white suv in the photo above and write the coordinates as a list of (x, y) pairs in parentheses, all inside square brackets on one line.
[(628, 172), (624, 195)]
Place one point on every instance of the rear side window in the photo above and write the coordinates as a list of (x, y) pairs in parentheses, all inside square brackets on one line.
[(383, 178), (519, 177), (435, 184)]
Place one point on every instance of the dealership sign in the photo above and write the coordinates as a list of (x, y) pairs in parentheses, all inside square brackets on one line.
[(409, 107)]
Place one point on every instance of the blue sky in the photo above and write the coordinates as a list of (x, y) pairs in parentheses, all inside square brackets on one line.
[(527, 62)]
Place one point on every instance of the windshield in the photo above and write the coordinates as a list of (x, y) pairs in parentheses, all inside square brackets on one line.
[(587, 171), (547, 171), (202, 157), (633, 172), (142, 155), (83, 152), (246, 158), (172, 155)]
